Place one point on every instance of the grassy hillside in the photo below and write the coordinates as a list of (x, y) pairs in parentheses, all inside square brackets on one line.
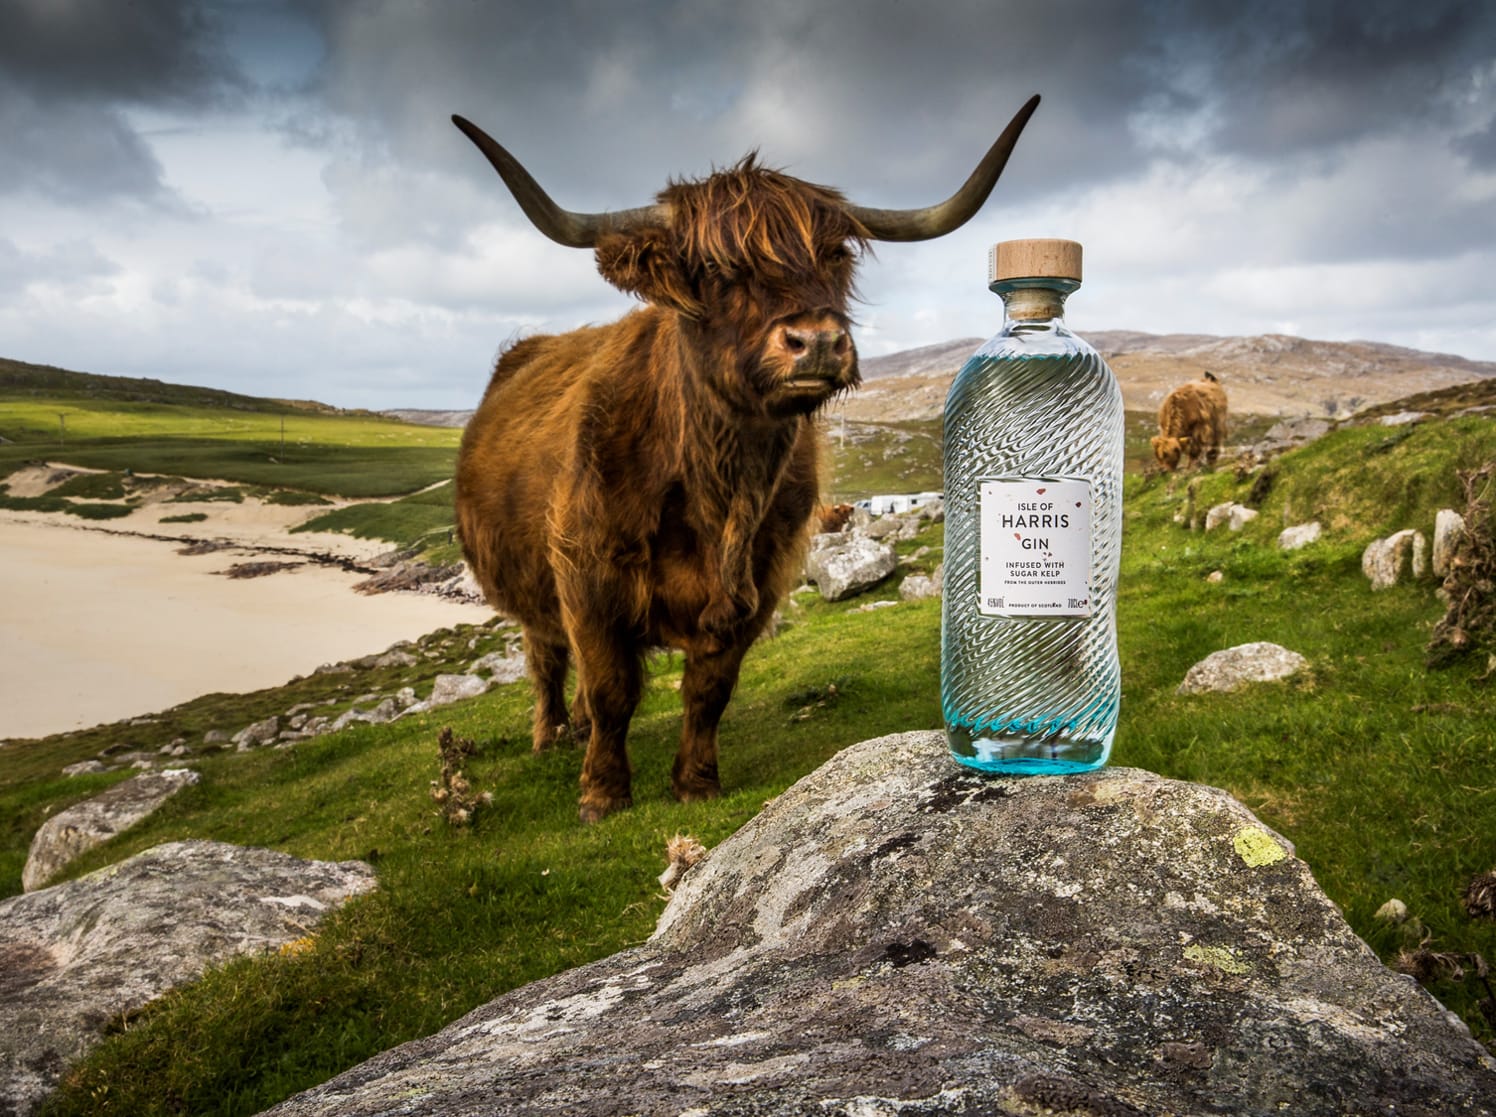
[(114, 423), (1378, 769)]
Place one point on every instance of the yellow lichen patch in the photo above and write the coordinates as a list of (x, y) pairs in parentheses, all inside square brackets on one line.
[(1257, 847), (297, 947), (1218, 957)]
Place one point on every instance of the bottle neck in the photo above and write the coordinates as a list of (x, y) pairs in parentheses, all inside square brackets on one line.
[(1034, 300)]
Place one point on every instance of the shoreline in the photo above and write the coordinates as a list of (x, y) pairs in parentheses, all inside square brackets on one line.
[(105, 621)]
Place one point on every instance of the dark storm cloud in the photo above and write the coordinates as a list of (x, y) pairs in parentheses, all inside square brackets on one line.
[(1293, 76), (893, 97), (67, 72)]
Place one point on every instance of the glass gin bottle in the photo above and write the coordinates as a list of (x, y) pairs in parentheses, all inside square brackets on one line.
[(1029, 678)]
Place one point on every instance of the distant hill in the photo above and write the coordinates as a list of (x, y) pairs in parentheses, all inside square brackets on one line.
[(21, 378), (1271, 374)]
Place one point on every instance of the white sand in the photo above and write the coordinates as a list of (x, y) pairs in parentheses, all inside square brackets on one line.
[(97, 626)]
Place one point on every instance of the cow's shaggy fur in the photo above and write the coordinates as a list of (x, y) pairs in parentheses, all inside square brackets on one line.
[(1191, 424), (650, 482)]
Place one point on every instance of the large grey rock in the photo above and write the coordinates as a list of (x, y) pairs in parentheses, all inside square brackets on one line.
[(1299, 536), (1449, 532), (94, 821), (841, 566), (1233, 515), (448, 689), (74, 957), (894, 935), (1233, 668), (1385, 562)]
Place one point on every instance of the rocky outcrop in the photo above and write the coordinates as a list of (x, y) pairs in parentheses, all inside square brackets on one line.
[(1449, 532), (1385, 562), (1233, 668), (79, 828), (1234, 516), (844, 564), (1299, 536), (895, 935), (74, 957)]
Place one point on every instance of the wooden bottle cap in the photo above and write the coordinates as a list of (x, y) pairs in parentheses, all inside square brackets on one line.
[(1034, 259)]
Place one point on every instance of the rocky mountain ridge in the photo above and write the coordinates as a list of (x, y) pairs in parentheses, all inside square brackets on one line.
[(1270, 374)]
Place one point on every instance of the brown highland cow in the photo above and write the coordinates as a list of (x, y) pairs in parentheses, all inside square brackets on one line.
[(1191, 424), (650, 482)]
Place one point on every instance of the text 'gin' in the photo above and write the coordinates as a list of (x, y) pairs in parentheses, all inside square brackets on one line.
[(1029, 678)]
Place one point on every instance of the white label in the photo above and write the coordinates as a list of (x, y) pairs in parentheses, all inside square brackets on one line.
[(1036, 548)]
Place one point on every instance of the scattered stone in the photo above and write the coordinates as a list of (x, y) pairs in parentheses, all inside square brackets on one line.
[(382, 714), (94, 821), (451, 688), (894, 935), (1449, 531), (75, 957), (842, 566), (1393, 911), (259, 733), (217, 737), (396, 657), (1387, 561), (84, 768), (1292, 538), (1215, 577), (1233, 515), (917, 587), (502, 667), (1233, 668), (1402, 418)]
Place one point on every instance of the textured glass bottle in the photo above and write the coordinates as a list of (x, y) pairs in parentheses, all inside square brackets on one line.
[(1029, 677)]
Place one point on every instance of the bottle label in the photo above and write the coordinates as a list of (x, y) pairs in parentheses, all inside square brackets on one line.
[(1035, 547)]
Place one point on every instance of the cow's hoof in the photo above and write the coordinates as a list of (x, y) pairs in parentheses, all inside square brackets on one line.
[(595, 810), (698, 791)]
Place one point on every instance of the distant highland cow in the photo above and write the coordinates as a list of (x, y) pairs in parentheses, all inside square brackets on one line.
[(1191, 424), (652, 482)]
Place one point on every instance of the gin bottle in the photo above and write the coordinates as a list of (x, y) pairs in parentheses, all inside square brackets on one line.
[(1029, 678)]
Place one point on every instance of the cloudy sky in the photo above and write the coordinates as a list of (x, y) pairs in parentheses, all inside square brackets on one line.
[(270, 197)]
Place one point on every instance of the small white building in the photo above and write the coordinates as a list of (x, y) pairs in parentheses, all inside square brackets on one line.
[(897, 503)]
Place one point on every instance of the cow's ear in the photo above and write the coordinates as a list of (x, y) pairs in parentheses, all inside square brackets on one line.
[(641, 263)]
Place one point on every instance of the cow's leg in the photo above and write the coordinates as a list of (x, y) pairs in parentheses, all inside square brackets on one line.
[(706, 686), (546, 660), (610, 678)]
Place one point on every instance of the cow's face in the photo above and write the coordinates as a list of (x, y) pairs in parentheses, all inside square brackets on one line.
[(1168, 450), (760, 267)]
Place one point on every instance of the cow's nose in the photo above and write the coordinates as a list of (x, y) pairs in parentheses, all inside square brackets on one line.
[(818, 344)]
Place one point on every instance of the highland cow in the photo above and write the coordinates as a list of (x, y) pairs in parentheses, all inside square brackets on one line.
[(651, 482), (1191, 424)]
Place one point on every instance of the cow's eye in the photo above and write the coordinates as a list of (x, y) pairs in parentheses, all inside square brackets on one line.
[(839, 255)]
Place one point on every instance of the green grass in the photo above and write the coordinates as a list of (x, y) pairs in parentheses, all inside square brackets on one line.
[(1380, 771), (409, 522), (340, 455)]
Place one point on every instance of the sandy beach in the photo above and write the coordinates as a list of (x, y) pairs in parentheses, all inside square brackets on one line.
[(98, 624)]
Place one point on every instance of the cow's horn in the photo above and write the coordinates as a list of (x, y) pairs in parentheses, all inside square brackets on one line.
[(575, 230), (960, 207)]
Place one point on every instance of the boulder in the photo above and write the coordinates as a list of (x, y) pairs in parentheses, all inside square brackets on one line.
[(1233, 668), (1449, 531), (94, 821), (841, 566), (896, 935), (916, 587), (1233, 515), (264, 732), (75, 957), (501, 667), (1387, 561), (448, 689), (1301, 535)]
